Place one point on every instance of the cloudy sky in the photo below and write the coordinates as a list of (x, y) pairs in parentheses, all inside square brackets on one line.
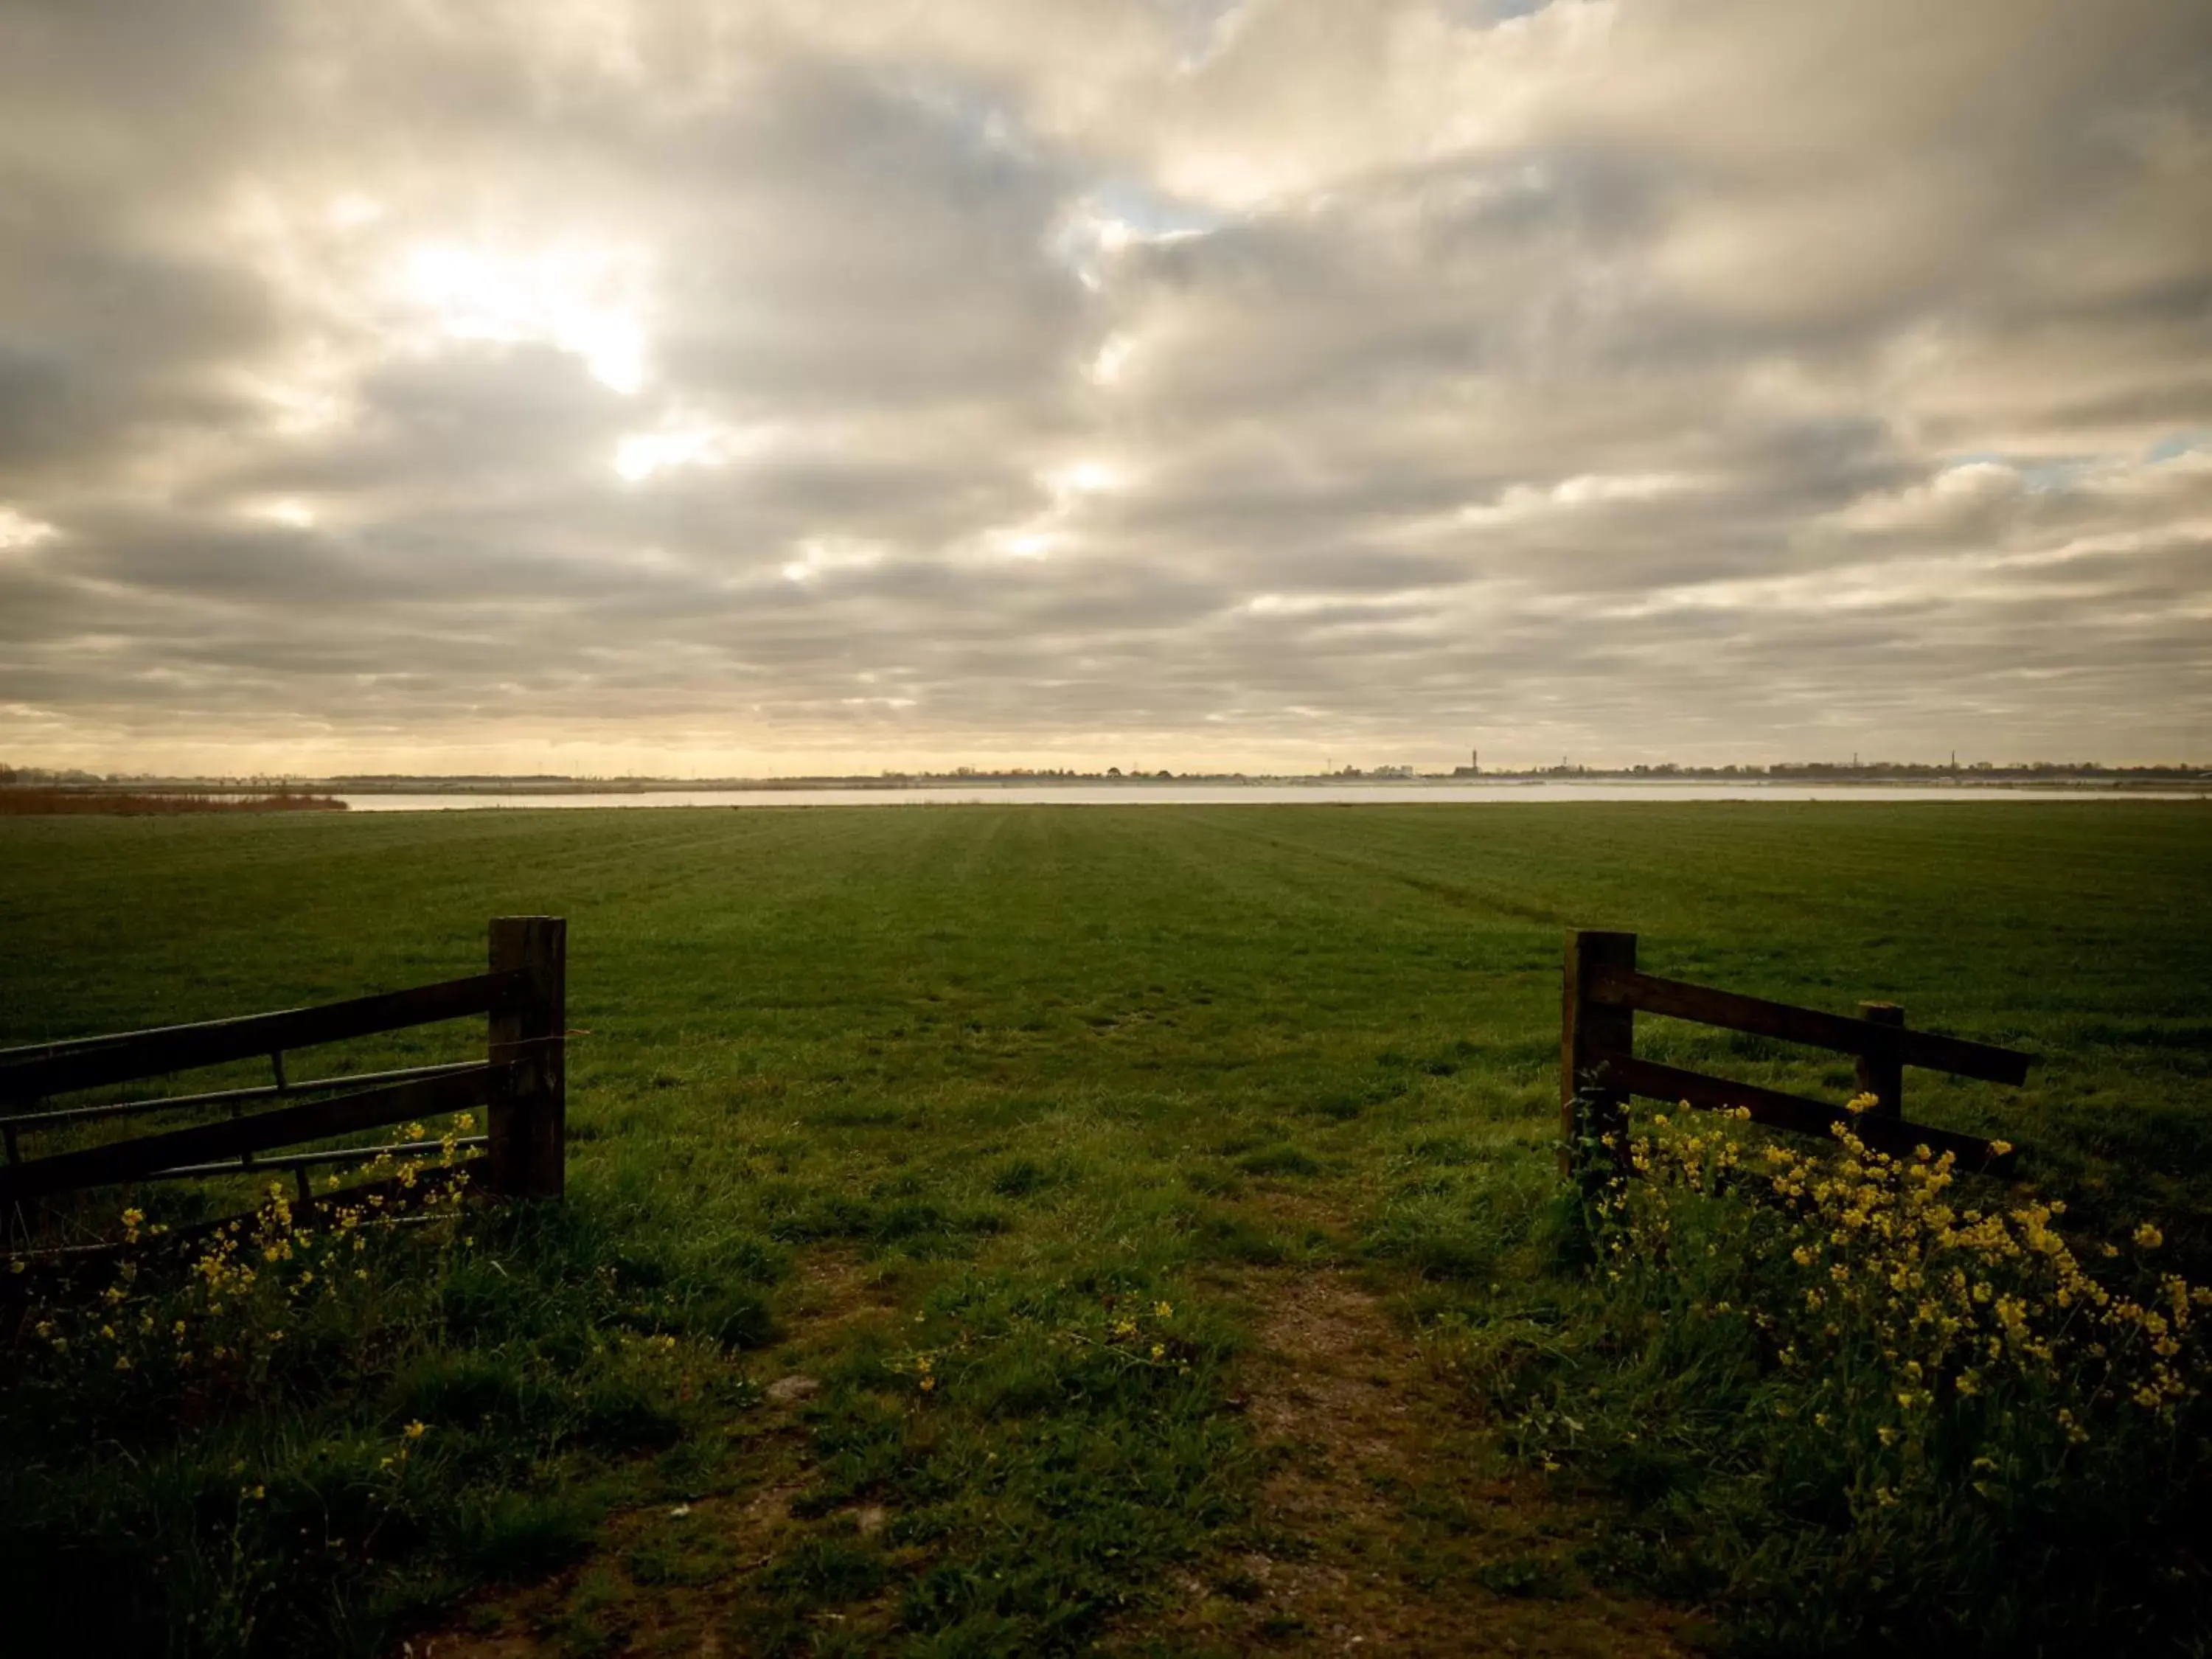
[(755, 386)]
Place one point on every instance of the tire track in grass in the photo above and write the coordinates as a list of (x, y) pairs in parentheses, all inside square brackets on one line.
[(1457, 894)]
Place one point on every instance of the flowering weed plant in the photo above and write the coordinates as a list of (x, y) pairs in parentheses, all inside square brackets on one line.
[(282, 1430), (1916, 1412)]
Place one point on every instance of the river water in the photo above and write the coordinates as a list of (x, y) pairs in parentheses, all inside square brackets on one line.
[(1257, 795)]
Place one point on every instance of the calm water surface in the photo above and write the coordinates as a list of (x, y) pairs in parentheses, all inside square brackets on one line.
[(1177, 794)]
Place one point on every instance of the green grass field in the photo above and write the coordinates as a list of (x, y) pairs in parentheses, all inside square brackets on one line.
[(988, 1088)]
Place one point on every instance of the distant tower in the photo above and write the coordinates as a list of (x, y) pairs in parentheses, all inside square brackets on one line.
[(1474, 760)]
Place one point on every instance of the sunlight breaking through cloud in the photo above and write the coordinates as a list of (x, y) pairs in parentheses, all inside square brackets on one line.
[(1261, 381), (579, 298)]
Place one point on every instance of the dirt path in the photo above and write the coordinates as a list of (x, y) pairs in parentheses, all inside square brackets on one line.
[(1389, 1524)]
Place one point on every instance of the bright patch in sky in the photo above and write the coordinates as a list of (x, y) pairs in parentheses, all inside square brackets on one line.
[(1027, 542), (1099, 230), (579, 298), (1113, 359), (823, 556), (1524, 502), (352, 210), (19, 531), (1090, 478), (641, 454), (297, 515)]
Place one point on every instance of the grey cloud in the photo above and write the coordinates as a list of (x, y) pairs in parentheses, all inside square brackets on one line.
[(1253, 381)]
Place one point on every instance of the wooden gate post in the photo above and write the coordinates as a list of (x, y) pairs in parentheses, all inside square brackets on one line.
[(1882, 1068), (528, 1110), (1587, 1031)]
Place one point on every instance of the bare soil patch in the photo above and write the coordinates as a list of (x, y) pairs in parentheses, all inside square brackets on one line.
[(1388, 1524)]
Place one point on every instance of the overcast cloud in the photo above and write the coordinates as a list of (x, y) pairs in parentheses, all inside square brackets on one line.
[(673, 387)]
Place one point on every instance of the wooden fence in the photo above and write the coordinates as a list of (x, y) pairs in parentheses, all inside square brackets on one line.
[(520, 1082), (1599, 1070)]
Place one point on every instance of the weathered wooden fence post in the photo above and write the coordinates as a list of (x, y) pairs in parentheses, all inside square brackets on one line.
[(1589, 1030), (528, 1109), (1882, 1068), (1599, 1069)]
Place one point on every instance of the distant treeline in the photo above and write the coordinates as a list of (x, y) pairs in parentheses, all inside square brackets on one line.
[(304, 791), (22, 802)]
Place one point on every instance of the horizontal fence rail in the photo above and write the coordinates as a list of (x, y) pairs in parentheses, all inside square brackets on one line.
[(520, 1082), (33, 1073), (249, 1165), (1625, 988), (1600, 1072), (1649, 1080), (317, 1085), (288, 1126)]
